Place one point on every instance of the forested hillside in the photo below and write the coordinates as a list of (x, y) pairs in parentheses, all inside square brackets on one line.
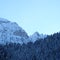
[(43, 49)]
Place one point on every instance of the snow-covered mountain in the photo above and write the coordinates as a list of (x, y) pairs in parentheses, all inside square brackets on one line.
[(36, 36), (11, 32)]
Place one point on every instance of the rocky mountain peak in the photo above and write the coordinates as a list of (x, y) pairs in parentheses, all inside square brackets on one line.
[(11, 32)]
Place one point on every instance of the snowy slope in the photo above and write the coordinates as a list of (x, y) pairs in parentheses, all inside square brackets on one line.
[(11, 32), (36, 36)]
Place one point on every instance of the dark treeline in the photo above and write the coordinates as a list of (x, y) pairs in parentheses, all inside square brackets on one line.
[(42, 49)]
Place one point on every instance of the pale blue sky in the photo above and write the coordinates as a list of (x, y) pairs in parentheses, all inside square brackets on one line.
[(33, 15)]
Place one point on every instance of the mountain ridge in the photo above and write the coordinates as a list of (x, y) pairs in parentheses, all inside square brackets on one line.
[(12, 32)]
